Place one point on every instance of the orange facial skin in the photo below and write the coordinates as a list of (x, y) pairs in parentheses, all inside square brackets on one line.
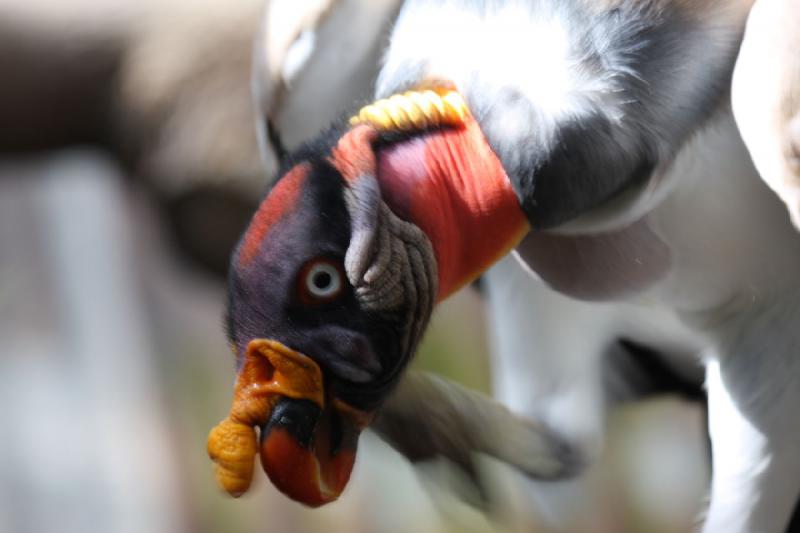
[(269, 370), (353, 156), (282, 199), (313, 474), (450, 183)]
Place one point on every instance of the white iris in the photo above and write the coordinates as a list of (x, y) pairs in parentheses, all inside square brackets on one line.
[(323, 280)]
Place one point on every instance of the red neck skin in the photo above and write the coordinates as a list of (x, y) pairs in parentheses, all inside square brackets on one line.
[(452, 186)]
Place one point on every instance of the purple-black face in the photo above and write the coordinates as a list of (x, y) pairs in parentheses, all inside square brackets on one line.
[(288, 281), (320, 341)]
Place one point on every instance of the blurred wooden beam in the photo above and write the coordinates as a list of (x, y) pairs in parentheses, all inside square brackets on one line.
[(89, 446)]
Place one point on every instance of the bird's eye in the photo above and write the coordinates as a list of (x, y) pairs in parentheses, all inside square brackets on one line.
[(321, 280)]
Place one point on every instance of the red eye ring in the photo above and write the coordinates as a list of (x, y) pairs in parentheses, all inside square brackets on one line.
[(320, 280)]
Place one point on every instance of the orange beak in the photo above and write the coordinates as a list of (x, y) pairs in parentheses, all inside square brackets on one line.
[(308, 444)]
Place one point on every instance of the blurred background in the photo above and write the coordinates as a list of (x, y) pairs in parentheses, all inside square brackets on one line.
[(129, 164)]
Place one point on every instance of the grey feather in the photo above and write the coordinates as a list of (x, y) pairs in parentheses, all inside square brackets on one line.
[(428, 418)]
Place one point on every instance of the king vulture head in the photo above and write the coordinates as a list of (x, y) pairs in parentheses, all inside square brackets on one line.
[(333, 283)]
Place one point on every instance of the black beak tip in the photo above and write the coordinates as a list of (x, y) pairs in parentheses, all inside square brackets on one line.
[(298, 417)]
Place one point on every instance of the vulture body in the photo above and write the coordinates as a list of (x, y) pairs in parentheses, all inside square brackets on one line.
[(596, 139)]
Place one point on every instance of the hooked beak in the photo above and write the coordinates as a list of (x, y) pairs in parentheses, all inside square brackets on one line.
[(308, 440)]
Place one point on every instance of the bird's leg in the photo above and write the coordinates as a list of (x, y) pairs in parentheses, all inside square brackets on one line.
[(753, 396)]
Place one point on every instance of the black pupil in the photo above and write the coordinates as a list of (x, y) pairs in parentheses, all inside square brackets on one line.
[(322, 280)]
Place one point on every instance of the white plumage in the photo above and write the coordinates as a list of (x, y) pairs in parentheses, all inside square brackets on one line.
[(723, 294)]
